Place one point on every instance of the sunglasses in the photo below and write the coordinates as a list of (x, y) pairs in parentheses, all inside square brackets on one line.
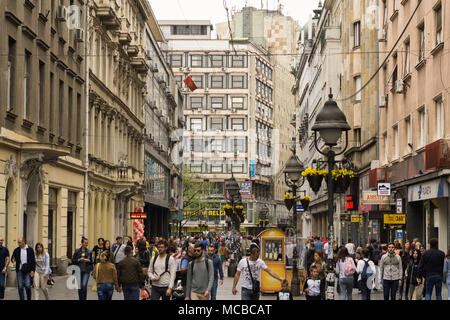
[(198, 250)]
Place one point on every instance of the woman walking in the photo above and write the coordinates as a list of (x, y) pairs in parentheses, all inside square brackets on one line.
[(97, 250), (322, 270), (224, 253), (345, 268), (412, 273), (446, 273), (42, 271), (106, 276)]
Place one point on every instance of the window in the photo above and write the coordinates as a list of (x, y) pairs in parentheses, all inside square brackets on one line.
[(422, 127), (61, 108), (27, 85), (237, 61), (78, 124), (216, 167), (237, 124), (217, 82), (52, 105), (440, 117), (41, 93), (197, 145), (70, 113), (237, 82), (438, 12), (196, 124), (408, 58), (10, 98), (217, 145), (385, 139), (357, 34), (385, 20), (216, 124), (196, 61), (198, 80), (189, 30), (357, 137), (176, 60), (196, 102), (422, 42), (179, 81), (216, 61), (238, 145), (408, 135), (358, 88), (237, 102), (395, 142), (237, 167), (217, 102), (196, 167)]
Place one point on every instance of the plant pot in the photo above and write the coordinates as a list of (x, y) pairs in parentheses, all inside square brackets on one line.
[(289, 203), (341, 184), (315, 182), (228, 212), (305, 204)]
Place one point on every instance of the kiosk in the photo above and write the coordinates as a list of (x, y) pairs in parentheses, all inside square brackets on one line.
[(272, 253)]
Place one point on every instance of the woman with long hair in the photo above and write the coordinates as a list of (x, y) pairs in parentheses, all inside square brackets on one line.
[(344, 267), (224, 253), (322, 270), (42, 271), (405, 254), (106, 276), (143, 255), (412, 273)]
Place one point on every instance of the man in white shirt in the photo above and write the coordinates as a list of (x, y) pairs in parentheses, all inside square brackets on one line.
[(251, 270), (118, 250), (162, 271), (351, 248)]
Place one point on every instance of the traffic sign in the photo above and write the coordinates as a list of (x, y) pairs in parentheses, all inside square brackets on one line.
[(395, 219), (384, 189), (399, 206), (300, 208)]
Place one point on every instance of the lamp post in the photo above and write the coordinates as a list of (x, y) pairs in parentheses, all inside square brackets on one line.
[(235, 199), (294, 180), (263, 213), (330, 123)]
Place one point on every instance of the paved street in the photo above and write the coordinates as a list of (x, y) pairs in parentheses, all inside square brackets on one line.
[(60, 292)]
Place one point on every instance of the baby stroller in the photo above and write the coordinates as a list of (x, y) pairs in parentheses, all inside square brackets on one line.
[(178, 292)]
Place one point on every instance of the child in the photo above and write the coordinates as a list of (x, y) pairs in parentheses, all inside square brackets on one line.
[(285, 293), (312, 286)]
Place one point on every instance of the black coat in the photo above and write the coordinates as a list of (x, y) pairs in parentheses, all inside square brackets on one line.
[(31, 260)]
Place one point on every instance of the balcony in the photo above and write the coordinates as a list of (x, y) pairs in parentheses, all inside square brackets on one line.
[(106, 13), (132, 50), (140, 65), (437, 154), (376, 176), (124, 38)]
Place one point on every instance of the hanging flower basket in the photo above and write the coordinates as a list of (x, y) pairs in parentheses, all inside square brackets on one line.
[(305, 202), (289, 201), (228, 210), (315, 182), (341, 184)]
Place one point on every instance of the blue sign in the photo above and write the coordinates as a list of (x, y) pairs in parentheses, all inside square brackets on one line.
[(252, 168), (399, 234), (150, 168), (300, 208)]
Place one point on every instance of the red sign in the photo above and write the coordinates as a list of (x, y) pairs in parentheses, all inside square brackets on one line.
[(349, 203), (190, 83), (138, 214)]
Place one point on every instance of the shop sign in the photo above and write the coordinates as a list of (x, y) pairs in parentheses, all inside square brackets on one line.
[(138, 214), (399, 205), (394, 219), (437, 188), (356, 218), (300, 208), (372, 197), (384, 189)]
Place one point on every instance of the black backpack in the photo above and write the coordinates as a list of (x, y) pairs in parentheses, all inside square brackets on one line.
[(167, 264), (192, 269)]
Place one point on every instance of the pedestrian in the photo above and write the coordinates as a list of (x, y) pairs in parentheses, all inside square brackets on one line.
[(143, 255), (105, 274), (4, 263), (118, 250), (200, 276), (162, 272), (321, 269), (431, 267), (285, 293), (345, 268), (42, 271), (245, 246), (351, 248), (151, 248), (130, 275), (318, 245), (365, 269), (326, 245), (97, 250), (83, 259), (313, 285), (405, 255), (205, 243), (24, 258), (108, 248), (309, 259), (446, 272), (188, 257), (251, 273), (391, 270), (224, 254), (411, 274), (218, 271)]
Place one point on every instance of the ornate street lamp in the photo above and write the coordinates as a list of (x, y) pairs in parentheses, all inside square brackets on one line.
[(330, 123), (294, 180), (263, 220)]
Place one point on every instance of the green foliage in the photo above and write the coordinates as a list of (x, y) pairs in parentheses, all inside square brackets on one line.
[(195, 191)]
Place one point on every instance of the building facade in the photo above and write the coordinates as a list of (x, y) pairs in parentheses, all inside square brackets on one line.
[(414, 115)]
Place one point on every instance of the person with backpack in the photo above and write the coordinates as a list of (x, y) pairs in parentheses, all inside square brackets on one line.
[(162, 271), (345, 268), (391, 271), (184, 264), (200, 276), (366, 269)]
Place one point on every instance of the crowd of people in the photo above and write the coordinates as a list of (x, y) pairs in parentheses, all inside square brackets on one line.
[(193, 267)]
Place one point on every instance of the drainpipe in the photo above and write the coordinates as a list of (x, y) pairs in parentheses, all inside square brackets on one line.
[(86, 129), (378, 88)]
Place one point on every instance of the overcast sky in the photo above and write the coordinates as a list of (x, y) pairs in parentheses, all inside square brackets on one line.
[(214, 9)]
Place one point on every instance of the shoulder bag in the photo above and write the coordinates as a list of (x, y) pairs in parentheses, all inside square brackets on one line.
[(255, 283), (94, 287)]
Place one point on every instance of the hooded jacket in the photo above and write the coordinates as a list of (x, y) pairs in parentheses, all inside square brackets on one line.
[(391, 267)]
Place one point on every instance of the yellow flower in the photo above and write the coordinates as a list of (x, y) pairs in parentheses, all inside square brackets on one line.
[(306, 198)]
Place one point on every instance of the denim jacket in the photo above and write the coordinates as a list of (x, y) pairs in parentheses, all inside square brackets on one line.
[(77, 255), (217, 266)]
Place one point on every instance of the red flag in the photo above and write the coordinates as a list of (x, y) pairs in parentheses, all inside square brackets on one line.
[(190, 83)]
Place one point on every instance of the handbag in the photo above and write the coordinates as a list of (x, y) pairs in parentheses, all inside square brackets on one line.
[(94, 287), (418, 291), (50, 281), (256, 286)]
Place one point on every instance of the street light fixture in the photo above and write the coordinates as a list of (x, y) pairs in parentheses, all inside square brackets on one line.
[(330, 123)]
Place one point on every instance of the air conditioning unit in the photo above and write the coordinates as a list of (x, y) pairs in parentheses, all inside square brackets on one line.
[(181, 69), (186, 89), (61, 13), (79, 35), (213, 110), (224, 69), (399, 86), (188, 69), (233, 110), (382, 101)]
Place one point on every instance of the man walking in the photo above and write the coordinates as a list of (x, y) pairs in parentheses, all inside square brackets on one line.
[(23, 257), (391, 272), (200, 276), (218, 271), (4, 262), (318, 245), (118, 250), (251, 270), (130, 275), (184, 264), (431, 266), (162, 271), (351, 248)]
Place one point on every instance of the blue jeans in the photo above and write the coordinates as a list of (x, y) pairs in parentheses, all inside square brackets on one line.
[(448, 288), (214, 289), (105, 291), (390, 287), (365, 292), (248, 294), (430, 281), (82, 292), (346, 285), (131, 292), (2, 285), (24, 280)]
